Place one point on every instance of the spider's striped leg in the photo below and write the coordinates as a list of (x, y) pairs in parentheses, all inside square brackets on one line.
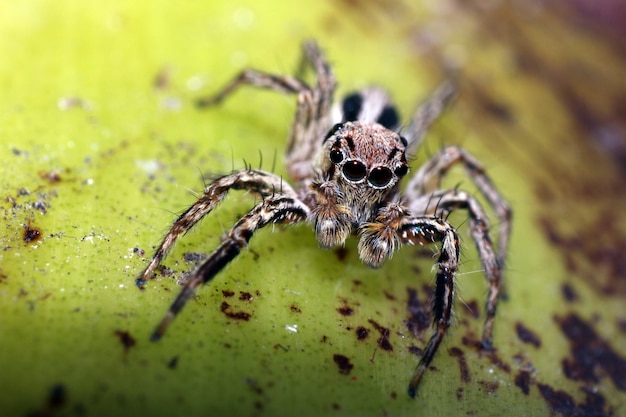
[(273, 209), (425, 231), (254, 181), (428, 180), (427, 113), (312, 118), (281, 83), (448, 201)]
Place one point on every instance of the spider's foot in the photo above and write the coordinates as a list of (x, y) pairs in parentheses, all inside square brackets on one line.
[(160, 330), (141, 283), (486, 345), (208, 101)]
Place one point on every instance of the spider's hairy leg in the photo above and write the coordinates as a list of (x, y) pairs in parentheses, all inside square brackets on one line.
[(428, 180), (425, 184), (313, 114), (427, 113), (448, 201), (313, 105), (255, 181), (425, 231), (281, 83), (273, 209)]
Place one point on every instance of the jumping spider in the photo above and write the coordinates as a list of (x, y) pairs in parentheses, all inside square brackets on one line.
[(348, 163)]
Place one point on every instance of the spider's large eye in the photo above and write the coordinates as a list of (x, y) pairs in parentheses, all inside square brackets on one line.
[(380, 176), (354, 170), (401, 171), (336, 156)]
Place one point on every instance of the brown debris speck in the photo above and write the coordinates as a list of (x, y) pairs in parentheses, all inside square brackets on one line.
[(236, 315), (522, 380), (362, 333), (344, 364), (590, 354), (463, 368), (31, 234), (127, 340), (526, 335), (383, 340)]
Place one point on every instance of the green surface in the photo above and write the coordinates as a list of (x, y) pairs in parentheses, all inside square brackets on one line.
[(103, 178)]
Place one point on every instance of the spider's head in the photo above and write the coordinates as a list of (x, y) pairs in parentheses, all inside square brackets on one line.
[(364, 158)]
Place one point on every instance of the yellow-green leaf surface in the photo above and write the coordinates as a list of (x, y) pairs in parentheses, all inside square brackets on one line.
[(101, 147)]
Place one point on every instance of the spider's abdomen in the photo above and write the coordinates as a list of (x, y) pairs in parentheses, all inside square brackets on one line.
[(371, 105)]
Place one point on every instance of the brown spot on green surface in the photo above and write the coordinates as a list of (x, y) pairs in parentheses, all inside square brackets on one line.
[(126, 339), (57, 398), (489, 386), (470, 340), (522, 380), (345, 309), (53, 177), (344, 364), (173, 363), (591, 357), (236, 315), (562, 403), (463, 368), (526, 335), (569, 294), (31, 234), (383, 340), (419, 318), (362, 333), (245, 296), (342, 253)]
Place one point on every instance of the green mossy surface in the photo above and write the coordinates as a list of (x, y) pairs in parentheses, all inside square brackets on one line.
[(101, 147)]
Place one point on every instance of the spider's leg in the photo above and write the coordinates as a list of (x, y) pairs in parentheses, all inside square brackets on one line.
[(255, 181), (393, 226), (425, 230), (278, 208), (450, 200), (428, 180), (427, 113), (312, 117), (281, 83)]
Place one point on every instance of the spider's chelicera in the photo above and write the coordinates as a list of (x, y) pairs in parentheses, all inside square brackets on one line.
[(348, 163)]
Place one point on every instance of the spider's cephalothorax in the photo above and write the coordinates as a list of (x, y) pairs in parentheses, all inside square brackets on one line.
[(359, 166), (348, 163)]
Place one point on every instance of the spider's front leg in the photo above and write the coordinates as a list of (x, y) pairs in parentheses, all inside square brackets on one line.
[(254, 181), (278, 208), (393, 227), (424, 231)]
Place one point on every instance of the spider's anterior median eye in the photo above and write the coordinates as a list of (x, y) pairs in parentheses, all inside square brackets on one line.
[(354, 170), (401, 171), (380, 176), (336, 156)]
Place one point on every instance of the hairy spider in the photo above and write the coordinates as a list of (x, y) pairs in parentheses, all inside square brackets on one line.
[(348, 163)]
